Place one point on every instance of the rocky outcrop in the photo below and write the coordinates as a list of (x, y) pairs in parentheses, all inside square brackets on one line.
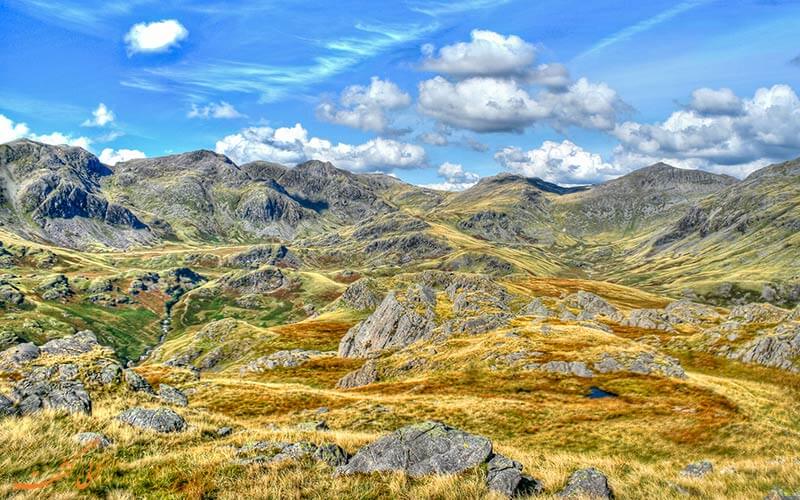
[(363, 294), (757, 313), (576, 368), (55, 287), (262, 452), (136, 382), (367, 374), (780, 349), (421, 449), (537, 307), (686, 311), (162, 420), (504, 476), (283, 359), (71, 345), (259, 256), (15, 356), (400, 320), (51, 388), (651, 319), (261, 281), (587, 483), (592, 305)]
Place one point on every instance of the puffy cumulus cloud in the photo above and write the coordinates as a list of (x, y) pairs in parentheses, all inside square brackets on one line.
[(766, 128), (455, 178), (503, 105), (101, 117), (563, 163), (293, 145), (363, 107), (158, 36), (486, 54), (715, 102), (554, 76), (480, 104), (113, 156), (222, 110), (10, 131)]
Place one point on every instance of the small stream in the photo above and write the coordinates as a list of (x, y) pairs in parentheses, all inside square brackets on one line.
[(166, 325)]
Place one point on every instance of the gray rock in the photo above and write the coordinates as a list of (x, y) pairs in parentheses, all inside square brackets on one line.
[(686, 311), (17, 355), (779, 494), (318, 425), (71, 345), (537, 307), (224, 432), (394, 324), (417, 450), (10, 294), (593, 304), (110, 374), (162, 420), (93, 439), (780, 349), (577, 368), (7, 408), (758, 313), (505, 476), (172, 396), (136, 382), (38, 392), (331, 454), (276, 451), (283, 359), (587, 483), (652, 319), (698, 469), (646, 363), (263, 280), (55, 287), (367, 374), (362, 295), (608, 364)]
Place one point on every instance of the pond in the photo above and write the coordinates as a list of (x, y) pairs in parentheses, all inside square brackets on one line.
[(596, 393)]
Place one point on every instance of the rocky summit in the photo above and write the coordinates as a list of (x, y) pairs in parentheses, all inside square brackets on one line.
[(190, 327)]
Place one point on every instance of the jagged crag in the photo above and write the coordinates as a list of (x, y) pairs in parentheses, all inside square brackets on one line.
[(187, 327)]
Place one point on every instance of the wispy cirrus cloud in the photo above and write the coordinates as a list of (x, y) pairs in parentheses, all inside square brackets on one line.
[(273, 82), (642, 26), (435, 9)]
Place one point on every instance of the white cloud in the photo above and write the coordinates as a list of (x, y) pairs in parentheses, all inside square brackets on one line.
[(58, 139), (564, 163), (158, 36), (222, 110), (480, 104), (487, 54), (101, 117), (766, 128), (113, 156), (502, 105), (292, 145), (365, 107), (10, 131), (715, 102), (455, 178)]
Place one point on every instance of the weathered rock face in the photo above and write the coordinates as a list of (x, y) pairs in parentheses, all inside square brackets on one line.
[(653, 319), (417, 450), (10, 295), (256, 257), (71, 345), (55, 287), (780, 349), (362, 295), (686, 311), (14, 356), (367, 374), (162, 420), (7, 408), (395, 323), (537, 307), (577, 368), (587, 483), (54, 388), (172, 396), (261, 281), (757, 313), (592, 305)]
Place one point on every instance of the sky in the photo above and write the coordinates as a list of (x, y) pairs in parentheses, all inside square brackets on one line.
[(438, 93)]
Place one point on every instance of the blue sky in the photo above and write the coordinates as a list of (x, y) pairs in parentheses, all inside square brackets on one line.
[(434, 92)]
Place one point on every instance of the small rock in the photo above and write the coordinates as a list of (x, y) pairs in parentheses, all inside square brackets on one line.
[(504, 476), (136, 382), (320, 425), (697, 469), (95, 439), (367, 374), (162, 420), (172, 395), (587, 483), (7, 408), (224, 432)]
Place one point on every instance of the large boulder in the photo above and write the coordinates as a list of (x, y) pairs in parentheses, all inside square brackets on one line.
[(592, 305), (136, 382), (417, 450), (173, 396), (51, 388), (17, 355), (587, 483), (71, 345), (396, 323), (162, 420)]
